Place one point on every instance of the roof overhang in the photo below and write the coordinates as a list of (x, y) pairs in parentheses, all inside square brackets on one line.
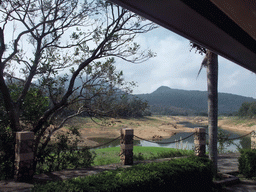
[(226, 27)]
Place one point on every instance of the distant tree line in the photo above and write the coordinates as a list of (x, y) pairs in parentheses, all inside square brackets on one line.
[(37, 101), (169, 110), (131, 107), (247, 109)]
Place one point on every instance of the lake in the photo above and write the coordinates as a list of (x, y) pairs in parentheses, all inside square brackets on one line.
[(244, 142)]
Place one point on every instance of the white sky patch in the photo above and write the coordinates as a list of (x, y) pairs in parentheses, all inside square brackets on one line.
[(232, 80), (176, 67)]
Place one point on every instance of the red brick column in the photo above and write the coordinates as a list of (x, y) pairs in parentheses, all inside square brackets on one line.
[(24, 156), (126, 144)]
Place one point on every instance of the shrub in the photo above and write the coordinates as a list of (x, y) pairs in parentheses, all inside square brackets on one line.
[(6, 153), (175, 175), (64, 155), (247, 162), (69, 159)]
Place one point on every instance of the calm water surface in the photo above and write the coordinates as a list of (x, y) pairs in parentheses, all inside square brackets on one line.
[(244, 142)]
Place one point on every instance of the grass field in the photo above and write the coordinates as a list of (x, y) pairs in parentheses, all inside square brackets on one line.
[(111, 155)]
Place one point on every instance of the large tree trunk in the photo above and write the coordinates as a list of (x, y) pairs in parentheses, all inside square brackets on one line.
[(212, 85)]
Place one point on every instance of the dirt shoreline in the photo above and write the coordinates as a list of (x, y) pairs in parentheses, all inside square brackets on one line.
[(155, 127)]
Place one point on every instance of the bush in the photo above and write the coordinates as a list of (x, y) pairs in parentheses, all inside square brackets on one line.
[(69, 159), (175, 175), (6, 153), (64, 155), (247, 163)]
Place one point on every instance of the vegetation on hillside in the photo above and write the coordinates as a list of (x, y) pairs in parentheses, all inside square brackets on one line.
[(167, 101), (247, 109)]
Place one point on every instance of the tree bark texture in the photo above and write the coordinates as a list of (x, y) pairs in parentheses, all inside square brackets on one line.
[(212, 85)]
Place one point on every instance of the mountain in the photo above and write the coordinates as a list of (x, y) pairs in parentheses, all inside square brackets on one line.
[(178, 102)]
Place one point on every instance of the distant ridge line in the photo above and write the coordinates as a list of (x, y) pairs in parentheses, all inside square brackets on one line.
[(171, 101)]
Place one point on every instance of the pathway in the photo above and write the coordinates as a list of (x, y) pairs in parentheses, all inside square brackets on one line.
[(228, 163)]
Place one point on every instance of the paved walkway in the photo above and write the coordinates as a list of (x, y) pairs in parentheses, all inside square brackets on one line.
[(227, 163)]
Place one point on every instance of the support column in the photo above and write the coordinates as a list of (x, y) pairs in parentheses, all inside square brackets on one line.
[(253, 140), (200, 141), (126, 144), (24, 156)]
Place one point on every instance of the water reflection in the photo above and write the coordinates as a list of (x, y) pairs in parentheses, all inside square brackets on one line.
[(189, 125), (115, 143), (244, 142)]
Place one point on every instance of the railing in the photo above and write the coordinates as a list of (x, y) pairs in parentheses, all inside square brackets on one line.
[(24, 155)]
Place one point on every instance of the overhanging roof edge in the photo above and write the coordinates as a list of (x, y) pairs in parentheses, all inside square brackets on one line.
[(221, 43)]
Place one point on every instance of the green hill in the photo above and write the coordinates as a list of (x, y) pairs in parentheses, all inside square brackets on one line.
[(167, 101)]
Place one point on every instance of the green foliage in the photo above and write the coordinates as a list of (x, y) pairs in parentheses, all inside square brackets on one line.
[(245, 143), (64, 154), (4, 121), (247, 163), (130, 107), (247, 109), (138, 157), (173, 153), (6, 144), (32, 107), (195, 172), (97, 30), (6, 153), (223, 140)]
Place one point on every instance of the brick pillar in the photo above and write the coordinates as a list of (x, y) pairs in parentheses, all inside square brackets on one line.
[(126, 144), (200, 141), (253, 140), (24, 156)]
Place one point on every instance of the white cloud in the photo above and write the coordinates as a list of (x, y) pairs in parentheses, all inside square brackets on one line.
[(175, 66)]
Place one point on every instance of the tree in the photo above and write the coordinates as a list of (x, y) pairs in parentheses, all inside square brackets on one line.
[(211, 62), (212, 84), (98, 31), (247, 110), (130, 107), (243, 110)]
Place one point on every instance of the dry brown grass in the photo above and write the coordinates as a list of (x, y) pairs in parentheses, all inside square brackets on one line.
[(151, 126)]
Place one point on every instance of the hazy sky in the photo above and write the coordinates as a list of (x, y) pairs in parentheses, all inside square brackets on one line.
[(176, 67)]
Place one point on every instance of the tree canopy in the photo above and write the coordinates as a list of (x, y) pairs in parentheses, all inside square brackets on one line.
[(62, 54), (247, 109)]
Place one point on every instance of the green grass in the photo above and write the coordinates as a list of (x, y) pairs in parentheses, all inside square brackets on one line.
[(110, 155), (220, 117)]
